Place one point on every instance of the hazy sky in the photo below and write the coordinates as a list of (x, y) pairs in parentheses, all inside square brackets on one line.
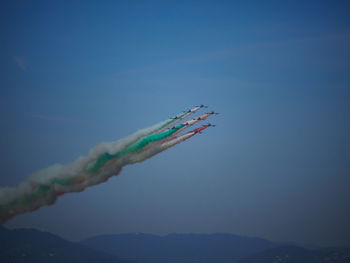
[(277, 166)]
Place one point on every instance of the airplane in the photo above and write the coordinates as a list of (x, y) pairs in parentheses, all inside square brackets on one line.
[(202, 106), (203, 117), (200, 129), (212, 112), (196, 108)]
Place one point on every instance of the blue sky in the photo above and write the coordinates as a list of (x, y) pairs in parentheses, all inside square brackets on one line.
[(75, 73)]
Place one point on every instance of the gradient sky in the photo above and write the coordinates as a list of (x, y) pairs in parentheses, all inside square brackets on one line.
[(277, 166)]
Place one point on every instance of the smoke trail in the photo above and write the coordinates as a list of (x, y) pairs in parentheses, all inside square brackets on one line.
[(177, 129), (102, 162), (161, 147)]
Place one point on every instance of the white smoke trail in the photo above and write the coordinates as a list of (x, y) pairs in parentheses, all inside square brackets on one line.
[(44, 186)]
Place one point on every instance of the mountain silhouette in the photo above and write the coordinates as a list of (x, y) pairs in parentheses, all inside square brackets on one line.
[(34, 246), (174, 248), (295, 254)]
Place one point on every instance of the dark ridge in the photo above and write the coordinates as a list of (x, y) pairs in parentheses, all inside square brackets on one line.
[(30, 245), (295, 254), (184, 248)]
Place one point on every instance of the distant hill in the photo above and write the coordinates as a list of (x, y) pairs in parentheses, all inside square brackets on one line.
[(175, 248), (33, 246), (294, 254)]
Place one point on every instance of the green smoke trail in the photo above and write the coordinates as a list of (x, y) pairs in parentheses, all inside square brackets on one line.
[(100, 162), (105, 157), (103, 161)]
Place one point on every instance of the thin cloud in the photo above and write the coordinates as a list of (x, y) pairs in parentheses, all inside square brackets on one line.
[(53, 118), (229, 52), (21, 62)]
